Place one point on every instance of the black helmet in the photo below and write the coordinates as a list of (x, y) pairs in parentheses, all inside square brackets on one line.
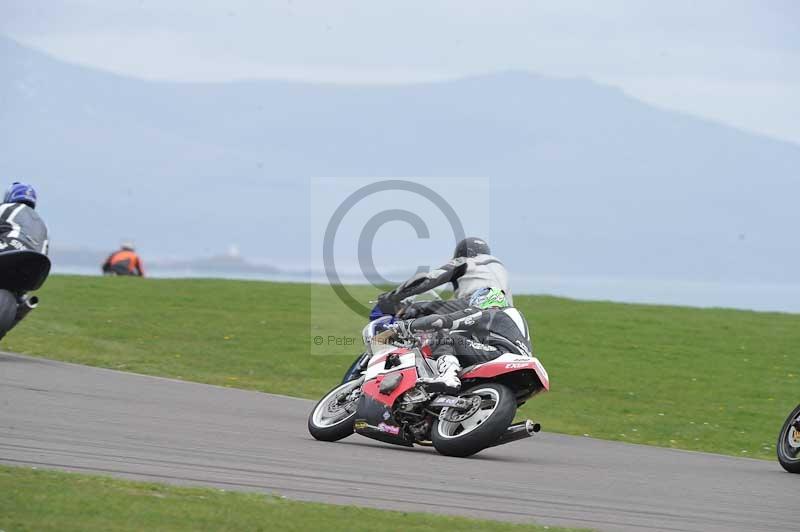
[(471, 247)]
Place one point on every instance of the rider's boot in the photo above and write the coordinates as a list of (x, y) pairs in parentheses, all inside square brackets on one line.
[(447, 381)]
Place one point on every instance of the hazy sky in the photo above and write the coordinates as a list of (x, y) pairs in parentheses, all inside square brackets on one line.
[(733, 61)]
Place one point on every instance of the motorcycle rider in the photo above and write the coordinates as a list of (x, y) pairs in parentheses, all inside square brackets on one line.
[(487, 328), (21, 227), (472, 267)]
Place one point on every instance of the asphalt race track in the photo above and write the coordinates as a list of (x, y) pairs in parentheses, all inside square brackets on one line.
[(93, 420)]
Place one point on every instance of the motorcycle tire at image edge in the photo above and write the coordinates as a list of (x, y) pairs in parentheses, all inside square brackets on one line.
[(789, 463)]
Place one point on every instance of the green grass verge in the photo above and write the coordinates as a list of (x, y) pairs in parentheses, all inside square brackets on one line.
[(49, 500), (704, 379)]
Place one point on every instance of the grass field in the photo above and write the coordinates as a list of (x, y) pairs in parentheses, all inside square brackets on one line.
[(52, 501), (704, 379)]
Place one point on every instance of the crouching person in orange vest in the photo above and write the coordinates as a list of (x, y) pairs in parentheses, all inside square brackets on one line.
[(124, 262)]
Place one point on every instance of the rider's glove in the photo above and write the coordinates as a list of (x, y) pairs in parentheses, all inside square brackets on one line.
[(386, 305), (408, 312), (403, 328)]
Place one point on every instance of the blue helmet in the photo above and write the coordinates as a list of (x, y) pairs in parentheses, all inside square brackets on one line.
[(21, 193)]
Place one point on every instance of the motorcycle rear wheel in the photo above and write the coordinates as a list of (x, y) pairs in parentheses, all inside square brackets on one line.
[(788, 446), (481, 429), (8, 311), (333, 416)]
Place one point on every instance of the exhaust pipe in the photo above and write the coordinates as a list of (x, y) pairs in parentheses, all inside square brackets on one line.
[(519, 431), (26, 305)]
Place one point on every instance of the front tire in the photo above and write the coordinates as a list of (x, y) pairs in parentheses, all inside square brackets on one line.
[(8, 311), (464, 437), (789, 443), (333, 416)]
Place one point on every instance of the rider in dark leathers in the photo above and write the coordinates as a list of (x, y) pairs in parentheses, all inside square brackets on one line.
[(486, 329), (21, 227), (471, 268), (21, 230)]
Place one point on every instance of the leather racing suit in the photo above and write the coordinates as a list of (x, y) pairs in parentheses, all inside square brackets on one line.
[(467, 274)]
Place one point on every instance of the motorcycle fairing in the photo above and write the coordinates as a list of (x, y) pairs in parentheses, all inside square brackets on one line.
[(374, 420), (371, 387), (23, 270), (507, 363), (408, 363), (374, 417), (377, 363)]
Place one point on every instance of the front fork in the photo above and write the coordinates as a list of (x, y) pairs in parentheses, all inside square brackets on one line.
[(356, 368)]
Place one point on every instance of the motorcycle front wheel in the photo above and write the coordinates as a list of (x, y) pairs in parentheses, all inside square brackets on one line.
[(789, 442), (464, 434), (333, 416)]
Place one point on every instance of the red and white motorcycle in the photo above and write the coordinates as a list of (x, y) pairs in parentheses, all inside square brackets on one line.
[(388, 403)]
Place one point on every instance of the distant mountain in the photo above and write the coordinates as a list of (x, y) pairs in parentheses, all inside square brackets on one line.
[(585, 179)]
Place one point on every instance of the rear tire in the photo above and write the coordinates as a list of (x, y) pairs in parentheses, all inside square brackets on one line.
[(8, 311), (332, 418), (788, 454), (477, 432)]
